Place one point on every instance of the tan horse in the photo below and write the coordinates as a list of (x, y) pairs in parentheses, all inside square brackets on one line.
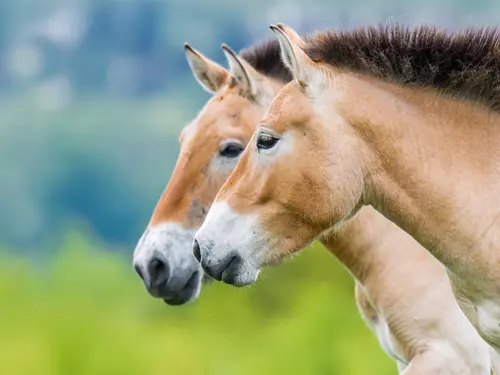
[(406, 316), (404, 120), (210, 148)]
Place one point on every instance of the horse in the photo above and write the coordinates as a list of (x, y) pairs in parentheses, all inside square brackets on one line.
[(405, 120), (388, 300), (210, 147)]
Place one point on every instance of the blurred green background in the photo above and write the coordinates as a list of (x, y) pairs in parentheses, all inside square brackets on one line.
[(93, 94)]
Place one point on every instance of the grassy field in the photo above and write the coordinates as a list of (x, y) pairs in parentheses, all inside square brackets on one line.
[(85, 312)]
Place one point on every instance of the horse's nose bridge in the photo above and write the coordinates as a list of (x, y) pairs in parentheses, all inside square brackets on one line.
[(173, 206), (175, 203)]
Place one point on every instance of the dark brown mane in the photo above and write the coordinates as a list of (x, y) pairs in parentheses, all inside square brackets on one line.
[(465, 64), (265, 57)]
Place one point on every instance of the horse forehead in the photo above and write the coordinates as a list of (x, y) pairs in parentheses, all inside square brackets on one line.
[(223, 109), (228, 100), (205, 140), (223, 123), (285, 108)]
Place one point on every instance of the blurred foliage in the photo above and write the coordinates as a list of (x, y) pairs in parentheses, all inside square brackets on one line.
[(85, 312), (95, 167)]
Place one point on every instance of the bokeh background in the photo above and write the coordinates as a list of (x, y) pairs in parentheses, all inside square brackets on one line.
[(93, 94)]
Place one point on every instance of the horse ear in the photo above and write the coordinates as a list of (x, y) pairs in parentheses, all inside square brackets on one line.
[(300, 65), (291, 33), (210, 75), (242, 72)]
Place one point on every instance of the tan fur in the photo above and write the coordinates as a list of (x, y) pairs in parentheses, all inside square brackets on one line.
[(430, 163), (397, 282), (191, 190), (401, 287)]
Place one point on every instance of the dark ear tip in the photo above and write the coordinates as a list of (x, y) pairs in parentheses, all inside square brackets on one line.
[(187, 47), (276, 29), (228, 49)]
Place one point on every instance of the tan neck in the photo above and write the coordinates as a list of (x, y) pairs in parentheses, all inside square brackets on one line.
[(361, 243), (434, 168)]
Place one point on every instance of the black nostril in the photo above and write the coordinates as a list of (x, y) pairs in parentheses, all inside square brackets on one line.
[(197, 251), (159, 272), (139, 271)]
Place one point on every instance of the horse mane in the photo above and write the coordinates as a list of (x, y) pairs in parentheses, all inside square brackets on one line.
[(265, 57), (465, 64)]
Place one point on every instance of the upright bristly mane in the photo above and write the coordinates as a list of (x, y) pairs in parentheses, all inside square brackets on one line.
[(464, 64), (265, 57)]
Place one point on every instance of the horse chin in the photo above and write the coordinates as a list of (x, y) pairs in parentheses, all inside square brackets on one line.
[(240, 274), (188, 293)]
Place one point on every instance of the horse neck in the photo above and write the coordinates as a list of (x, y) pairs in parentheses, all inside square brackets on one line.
[(435, 168), (373, 249), (358, 243)]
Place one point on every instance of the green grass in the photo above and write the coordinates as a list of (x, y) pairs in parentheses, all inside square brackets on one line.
[(85, 312)]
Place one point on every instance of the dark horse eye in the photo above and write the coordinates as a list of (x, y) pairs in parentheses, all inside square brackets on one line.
[(265, 141), (231, 150)]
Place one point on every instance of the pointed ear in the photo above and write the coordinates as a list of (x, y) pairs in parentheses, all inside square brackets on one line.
[(242, 72), (300, 65), (291, 33), (210, 75)]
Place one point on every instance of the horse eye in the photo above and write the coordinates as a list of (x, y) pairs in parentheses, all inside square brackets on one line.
[(231, 150), (265, 141)]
